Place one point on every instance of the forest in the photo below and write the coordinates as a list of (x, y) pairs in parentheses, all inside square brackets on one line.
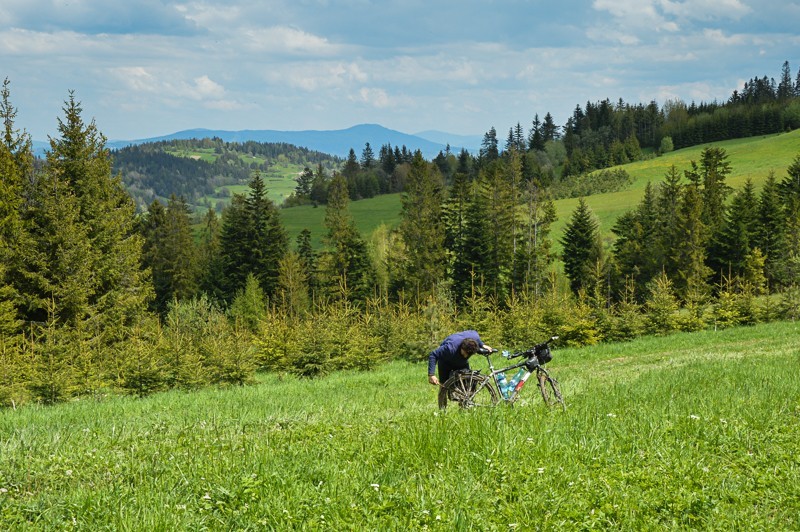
[(97, 298), (157, 170)]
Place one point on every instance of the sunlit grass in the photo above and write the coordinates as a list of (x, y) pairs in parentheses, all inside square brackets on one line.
[(687, 431)]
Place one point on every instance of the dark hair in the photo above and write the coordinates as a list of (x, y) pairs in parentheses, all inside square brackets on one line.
[(469, 346)]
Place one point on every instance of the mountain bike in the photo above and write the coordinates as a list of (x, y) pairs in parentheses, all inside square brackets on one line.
[(469, 388)]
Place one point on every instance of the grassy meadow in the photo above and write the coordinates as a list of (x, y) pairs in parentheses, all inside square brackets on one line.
[(691, 431), (753, 158)]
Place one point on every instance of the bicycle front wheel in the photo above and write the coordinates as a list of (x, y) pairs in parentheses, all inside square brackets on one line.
[(468, 390), (551, 391)]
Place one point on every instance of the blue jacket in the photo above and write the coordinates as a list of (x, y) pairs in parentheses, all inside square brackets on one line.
[(449, 348)]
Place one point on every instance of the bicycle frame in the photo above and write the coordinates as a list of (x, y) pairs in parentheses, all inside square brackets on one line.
[(514, 394)]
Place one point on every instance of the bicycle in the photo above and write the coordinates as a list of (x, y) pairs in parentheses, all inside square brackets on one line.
[(469, 388)]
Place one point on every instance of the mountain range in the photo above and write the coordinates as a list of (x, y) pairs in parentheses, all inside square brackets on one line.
[(334, 142)]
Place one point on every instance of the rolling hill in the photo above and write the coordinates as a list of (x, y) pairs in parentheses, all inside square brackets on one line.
[(751, 158), (334, 142)]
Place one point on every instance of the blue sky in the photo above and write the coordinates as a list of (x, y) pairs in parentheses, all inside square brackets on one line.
[(143, 68)]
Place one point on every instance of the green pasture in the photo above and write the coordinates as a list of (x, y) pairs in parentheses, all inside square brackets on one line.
[(367, 214), (687, 432), (752, 158)]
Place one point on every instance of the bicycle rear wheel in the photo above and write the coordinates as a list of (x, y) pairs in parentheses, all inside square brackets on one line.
[(551, 391), (468, 389)]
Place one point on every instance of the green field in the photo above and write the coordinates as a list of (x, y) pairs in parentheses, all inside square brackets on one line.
[(691, 431), (279, 179), (751, 158)]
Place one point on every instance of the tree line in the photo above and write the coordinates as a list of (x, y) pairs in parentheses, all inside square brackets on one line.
[(97, 298), (596, 136)]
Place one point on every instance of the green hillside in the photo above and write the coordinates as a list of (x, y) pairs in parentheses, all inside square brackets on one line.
[(687, 432), (752, 158)]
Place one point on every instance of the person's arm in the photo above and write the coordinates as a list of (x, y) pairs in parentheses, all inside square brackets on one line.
[(432, 359)]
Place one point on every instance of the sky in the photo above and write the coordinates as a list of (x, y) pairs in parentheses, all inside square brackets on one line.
[(145, 68)]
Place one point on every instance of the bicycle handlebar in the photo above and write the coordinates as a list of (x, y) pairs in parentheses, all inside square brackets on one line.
[(532, 351)]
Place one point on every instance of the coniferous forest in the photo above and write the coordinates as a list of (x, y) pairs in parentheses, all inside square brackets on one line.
[(97, 296)]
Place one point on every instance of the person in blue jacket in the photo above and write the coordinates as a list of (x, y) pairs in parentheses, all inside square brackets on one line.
[(453, 354)]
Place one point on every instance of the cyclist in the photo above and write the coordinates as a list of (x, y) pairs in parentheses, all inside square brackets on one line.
[(453, 354)]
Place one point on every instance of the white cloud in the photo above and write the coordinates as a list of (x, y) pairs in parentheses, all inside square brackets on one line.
[(205, 88), (374, 97), (706, 9), (286, 40)]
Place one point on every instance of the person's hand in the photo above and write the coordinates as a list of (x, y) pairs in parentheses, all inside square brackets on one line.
[(433, 380), (490, 348)]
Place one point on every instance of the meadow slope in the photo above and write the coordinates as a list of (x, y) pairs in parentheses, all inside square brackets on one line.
[(691, 431), (750, 158)]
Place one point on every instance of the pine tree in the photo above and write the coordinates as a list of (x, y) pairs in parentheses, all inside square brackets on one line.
[(489, 147), (210, 262), (304, 183), (345, 266), (170, 252), (293, 286), (692, 272), (636, 250), (455, 214), (668, 243), (87, 255), (737, 235), (422, 227), (308, 260), (581, 246), (770, 237), (269, 241), (714, 168), (492, 239), (534, 250), (16, 162)]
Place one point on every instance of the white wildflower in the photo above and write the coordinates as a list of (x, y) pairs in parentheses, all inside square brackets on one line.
[(693, 416), (376, 487), (611, 414), (541, 470)]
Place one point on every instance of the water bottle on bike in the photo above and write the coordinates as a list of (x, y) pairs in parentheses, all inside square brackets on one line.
[(503, 384)]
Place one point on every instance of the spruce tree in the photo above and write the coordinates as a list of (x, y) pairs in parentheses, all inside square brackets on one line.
[(268, 239), (16, 162), (667, 236), (692, 272), (737, 235), (714, 169), (422, 227), (234, 249), (636, 250), (495, 202), (455, 213), (170, 252), (308, 260), (534, 250), (210, 262), (345, 265), (770, 237), (581, 246), (86, 256)]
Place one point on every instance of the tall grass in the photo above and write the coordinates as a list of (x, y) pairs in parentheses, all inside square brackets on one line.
[(686, 431)]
